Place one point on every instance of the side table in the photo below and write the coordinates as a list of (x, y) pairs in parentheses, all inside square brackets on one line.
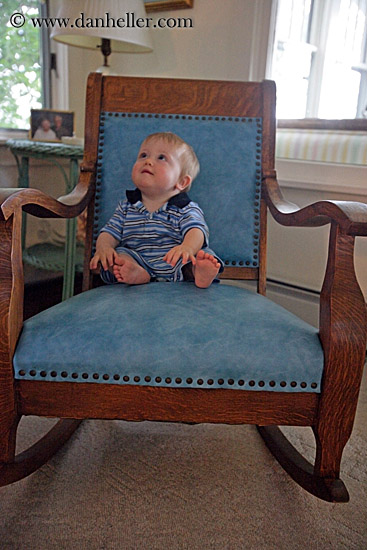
[(23, 150)]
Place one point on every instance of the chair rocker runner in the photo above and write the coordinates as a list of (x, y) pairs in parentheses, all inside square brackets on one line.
[(171, 351)]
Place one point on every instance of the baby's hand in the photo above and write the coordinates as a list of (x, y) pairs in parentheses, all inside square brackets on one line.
[(181, 251), (105, 256)]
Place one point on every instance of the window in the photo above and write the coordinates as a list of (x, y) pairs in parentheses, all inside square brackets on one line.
[(24, 64), (320, 59)]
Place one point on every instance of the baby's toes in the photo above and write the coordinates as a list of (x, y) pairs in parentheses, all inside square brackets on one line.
[(116, 271)]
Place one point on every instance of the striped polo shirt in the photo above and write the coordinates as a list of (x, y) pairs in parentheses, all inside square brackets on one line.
[(152, 234)]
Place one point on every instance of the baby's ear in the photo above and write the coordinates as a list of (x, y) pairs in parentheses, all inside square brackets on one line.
[(184, 183)]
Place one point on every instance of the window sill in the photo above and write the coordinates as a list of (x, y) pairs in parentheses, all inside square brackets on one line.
[(10, 133), (340, 182), (349, 125)]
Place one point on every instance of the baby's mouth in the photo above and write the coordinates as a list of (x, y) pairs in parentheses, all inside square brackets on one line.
[(146, 171)]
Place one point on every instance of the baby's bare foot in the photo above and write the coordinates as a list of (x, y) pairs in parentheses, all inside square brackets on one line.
[(205, 269), (127, 270)]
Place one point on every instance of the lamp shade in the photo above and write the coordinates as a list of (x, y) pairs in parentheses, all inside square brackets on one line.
[(123, 22)]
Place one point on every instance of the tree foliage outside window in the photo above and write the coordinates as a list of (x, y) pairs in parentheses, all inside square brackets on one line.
[(20, 66)]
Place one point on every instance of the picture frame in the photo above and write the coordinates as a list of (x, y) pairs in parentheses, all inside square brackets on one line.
[(51, 125), (161, 5)]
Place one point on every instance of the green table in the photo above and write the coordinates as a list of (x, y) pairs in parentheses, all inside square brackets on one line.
[(48, 256)]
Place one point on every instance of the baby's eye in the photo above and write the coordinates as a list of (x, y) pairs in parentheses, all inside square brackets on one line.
[(162, 157), (143, 155)]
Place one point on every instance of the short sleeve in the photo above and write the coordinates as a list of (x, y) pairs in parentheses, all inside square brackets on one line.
[(116, 223), (193, 216)]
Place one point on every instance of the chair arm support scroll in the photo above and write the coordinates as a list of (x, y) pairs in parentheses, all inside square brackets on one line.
[(343, 315), (40, 204), (350, 216)]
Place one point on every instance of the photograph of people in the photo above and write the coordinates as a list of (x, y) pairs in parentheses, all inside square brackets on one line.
[(50, 125), (58, 127), (44, 131)]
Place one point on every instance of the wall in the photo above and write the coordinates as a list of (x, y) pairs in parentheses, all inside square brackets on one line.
[(228, 41)]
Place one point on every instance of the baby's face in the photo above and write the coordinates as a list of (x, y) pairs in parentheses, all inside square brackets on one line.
[(157, 168)]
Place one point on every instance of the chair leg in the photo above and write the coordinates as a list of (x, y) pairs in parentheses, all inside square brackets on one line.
[(14, 468), (330, 489), (330, 445), (8, 441)]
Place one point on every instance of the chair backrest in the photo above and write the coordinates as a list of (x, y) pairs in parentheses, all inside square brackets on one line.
[(230, 125)]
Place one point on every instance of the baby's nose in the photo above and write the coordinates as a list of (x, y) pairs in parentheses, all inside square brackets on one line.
[(148, 160)]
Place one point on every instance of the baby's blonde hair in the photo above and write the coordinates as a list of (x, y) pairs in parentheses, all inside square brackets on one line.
[(189, 162)]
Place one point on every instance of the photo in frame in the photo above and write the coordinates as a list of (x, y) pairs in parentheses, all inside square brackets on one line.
[(51, 125), (161, 5)]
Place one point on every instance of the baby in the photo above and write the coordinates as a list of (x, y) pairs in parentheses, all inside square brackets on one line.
[(157, 232)]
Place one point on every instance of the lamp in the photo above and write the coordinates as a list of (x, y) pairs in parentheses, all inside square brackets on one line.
[(111, 25)]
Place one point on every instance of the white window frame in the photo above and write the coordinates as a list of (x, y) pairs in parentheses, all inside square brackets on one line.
[(318, 35)]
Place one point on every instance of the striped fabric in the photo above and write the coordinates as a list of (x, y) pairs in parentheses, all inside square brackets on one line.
[(322, 146), (148, 236)]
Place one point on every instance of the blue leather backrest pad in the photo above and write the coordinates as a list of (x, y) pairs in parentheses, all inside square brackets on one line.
[(173, 335), (227, 188)]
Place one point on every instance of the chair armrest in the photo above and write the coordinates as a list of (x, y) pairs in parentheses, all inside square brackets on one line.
[(343, 314), (350, 216), (40, 204)]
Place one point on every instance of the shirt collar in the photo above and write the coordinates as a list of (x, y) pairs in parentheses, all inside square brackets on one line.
[(181, 200)]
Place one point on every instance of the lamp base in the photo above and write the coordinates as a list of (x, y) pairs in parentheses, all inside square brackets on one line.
[(105, 70)]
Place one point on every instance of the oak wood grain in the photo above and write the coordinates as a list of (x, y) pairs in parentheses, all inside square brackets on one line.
[(343, 320), (350, 216), (182, 96), (40, 204), (92, 113), (11, 313), (302, 471), (136, 403), (249, 273), (343, 333), (33, 458)]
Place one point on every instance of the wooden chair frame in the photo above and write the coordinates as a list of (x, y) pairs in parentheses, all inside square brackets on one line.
[(343, 318)]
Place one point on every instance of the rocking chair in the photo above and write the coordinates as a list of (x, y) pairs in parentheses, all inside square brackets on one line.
[(171, 351)]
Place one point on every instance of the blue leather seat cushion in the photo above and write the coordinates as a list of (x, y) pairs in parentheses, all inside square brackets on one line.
[(171, 334)]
